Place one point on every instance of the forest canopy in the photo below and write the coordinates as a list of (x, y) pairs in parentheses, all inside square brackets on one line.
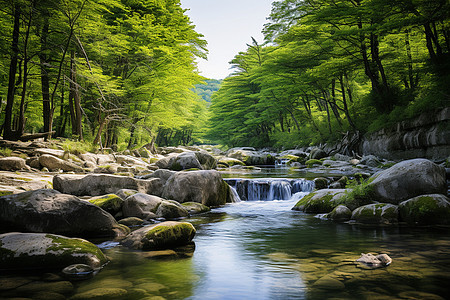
[(329, 68), (112, 72)]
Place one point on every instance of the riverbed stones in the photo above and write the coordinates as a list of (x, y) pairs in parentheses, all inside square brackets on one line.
[(20, 251), (102, 184), (408, 179), (206, 187), (322, 201), (12, 164), (164, 235), (78, 272), (433, 209), (49, 211), (195, 208), (54, 163), (381, 213), (101, 293)]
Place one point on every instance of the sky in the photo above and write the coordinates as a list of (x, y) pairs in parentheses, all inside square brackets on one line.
[(228, 26)]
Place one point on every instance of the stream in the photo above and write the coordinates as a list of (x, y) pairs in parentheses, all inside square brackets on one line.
[(261, 249)]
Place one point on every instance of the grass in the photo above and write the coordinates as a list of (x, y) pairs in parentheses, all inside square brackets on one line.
[(5, 152)]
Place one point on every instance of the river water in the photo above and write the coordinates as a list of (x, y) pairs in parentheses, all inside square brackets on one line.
[(263, 250)]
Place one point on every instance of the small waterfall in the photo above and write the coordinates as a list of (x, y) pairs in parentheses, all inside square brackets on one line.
[(269, 189), (234, 195)]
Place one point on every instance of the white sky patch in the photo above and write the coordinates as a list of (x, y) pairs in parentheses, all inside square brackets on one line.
[(228, 26)]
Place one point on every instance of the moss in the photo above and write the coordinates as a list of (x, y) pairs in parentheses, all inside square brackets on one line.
[(111, 203), (191, 169), (176, 166), (323, 204), (309, 163), (381, 213), (71, 246), (24, 179), (424, 210), (166, 235), (301, 203), (359, 195), (5, 152), (6, 193)]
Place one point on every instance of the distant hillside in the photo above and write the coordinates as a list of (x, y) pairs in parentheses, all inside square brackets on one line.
[(207, 89)]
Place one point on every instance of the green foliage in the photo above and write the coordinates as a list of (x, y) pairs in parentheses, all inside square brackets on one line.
[(334, 67), (78, 147), (5, 152), (207, 89)]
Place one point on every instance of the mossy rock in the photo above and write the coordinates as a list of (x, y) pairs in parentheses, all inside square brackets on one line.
[(340, 213), (433, 209), (359, 196), (311, 162), (320, 183), (322, 201), (47, 251), (229, 162), (381, 213), (195, 208), (111, 203), (164, 235), (131, 221)]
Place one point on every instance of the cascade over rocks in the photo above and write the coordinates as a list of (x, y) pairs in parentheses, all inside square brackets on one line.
[(49, 211), (101, 184), (25, 251)]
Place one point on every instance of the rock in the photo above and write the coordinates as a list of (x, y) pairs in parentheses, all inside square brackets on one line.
[(78, 272), (164, 235), (110, 203), (341, 157), (251, 157), (131, 221), (142, 206), (104, 159), (370, 160), (184, 161), (408, 179), (89, 157), (381, 213), (171, 210), (150, 207), (20, 251), (311, 162), (320, 183), (322, 201), (206, 187), (54, 152), (128, 160), (317, 153), (207, 161), (373, 261), (107, 169), (229, 162), (102, 184), (50, 211), (13, 164), (125, 193), (54, 163), (340, 213), (195, 208), (101, 293), (433, 209), (36, 288)]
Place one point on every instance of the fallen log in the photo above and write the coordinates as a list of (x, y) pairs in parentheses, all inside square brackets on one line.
[(29, 137)]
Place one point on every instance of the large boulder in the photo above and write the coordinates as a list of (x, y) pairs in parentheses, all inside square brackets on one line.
[(207, 161), (184, 161), (25, 251), (382, 213), (101, 184), (206, 187), (408, 179), (164, 235), (54, 163), (431, 209), (12, 164), (317, 153), (151, 207), (50, 211), (322, 201)]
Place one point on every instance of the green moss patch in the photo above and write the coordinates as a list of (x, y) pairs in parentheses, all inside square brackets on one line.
[(311, 162), (426, 210), (168, 234)]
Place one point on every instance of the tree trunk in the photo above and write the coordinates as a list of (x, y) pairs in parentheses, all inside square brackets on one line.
[(75, 101), (45, 81), (7, 130), (344, 101)]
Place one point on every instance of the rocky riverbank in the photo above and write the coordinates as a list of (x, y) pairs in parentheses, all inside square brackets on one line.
[(60, 200)]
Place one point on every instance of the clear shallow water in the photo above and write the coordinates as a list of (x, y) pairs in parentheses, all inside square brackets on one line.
[(264, 250)]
